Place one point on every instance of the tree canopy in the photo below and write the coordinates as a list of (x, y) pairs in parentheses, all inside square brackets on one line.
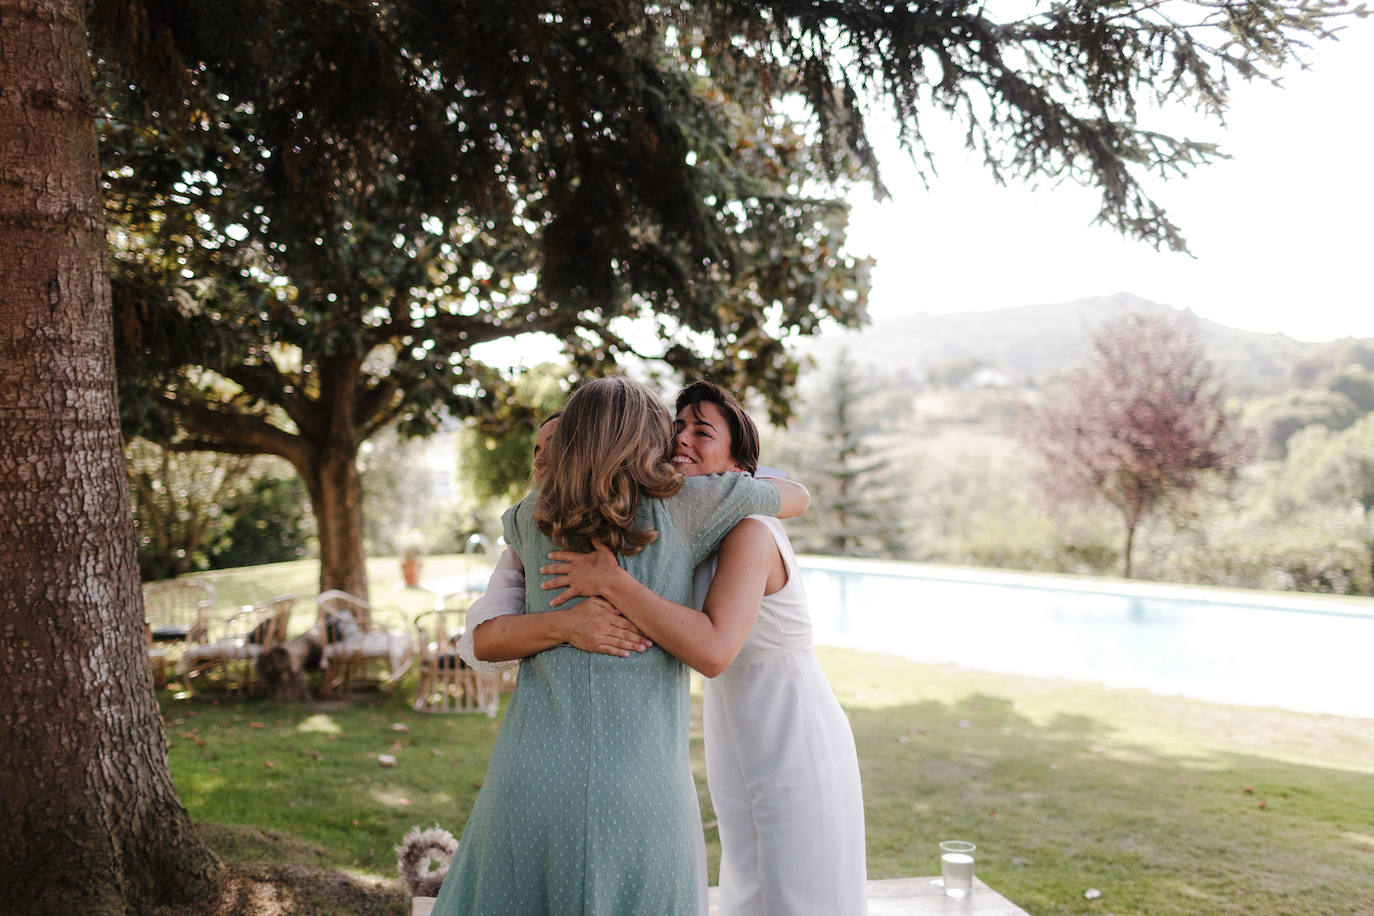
[(339, 205), (319, 209)]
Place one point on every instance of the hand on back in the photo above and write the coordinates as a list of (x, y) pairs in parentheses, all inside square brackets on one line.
[(595, 625), (580, 574)]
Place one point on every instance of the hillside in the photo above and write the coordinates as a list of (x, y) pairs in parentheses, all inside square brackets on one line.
[(1031, 343)]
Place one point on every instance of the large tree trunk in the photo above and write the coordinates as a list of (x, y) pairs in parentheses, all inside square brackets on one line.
[(336, 499), (89, 819)]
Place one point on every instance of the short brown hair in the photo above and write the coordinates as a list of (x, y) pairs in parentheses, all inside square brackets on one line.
[(614, 441), (744, 435)]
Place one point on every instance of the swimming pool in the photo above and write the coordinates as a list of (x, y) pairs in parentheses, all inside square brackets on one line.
[(1256, 648)]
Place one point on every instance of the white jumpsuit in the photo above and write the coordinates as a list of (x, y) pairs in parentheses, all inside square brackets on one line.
[(781, 766)]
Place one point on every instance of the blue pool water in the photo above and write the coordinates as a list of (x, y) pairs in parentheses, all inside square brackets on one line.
[(1301, 652)]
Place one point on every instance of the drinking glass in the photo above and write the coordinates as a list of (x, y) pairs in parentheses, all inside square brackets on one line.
[(956, 867)]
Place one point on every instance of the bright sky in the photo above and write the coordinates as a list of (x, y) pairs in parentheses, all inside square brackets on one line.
[(1281, 232)]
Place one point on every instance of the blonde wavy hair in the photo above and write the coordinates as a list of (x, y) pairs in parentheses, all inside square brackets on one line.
[(614, 443)]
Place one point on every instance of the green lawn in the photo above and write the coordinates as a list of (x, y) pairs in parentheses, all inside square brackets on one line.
[(1165, 805)]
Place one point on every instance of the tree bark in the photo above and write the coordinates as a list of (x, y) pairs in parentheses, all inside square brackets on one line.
[(1130, 546), (325, 454), (89, 819), (336, 499)]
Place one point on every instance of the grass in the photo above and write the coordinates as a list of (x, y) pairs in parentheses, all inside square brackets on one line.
[(1165, 805)]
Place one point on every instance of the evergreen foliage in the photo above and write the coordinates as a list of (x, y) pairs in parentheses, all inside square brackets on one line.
[(311, 236), (1315, 369), (177, 503), (496, 449), (1278, 417), (855, 504), (204, 510), (267, 523), (319, 209)]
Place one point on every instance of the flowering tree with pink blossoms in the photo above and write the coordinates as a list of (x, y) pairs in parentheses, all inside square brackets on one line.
[(1142, 424)]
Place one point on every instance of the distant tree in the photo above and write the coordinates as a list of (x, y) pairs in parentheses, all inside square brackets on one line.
[(956, 371), (209, 510), (495, 449), (405, 490), (854, 509), (1308, 521), (1140, 425), (1332, 387), (1334, 468), (1356, 383), (265, 522), (1316, 369), (179, 500), (1277, 418)]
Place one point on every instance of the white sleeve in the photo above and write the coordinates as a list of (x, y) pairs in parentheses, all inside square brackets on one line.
[(505, 594)]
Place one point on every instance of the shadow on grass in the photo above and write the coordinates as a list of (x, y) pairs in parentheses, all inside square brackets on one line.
[(268, 872), (315, 771), (1065, 788), (1070, 803)]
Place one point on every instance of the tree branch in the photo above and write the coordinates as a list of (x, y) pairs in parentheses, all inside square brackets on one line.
[(265, 380), (379, 400), (235, 433)]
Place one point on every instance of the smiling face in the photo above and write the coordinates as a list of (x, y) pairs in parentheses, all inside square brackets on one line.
[(541, 449), (703, 441)]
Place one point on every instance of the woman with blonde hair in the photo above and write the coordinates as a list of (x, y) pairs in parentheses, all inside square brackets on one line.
[(780, 756), (588, 804), (591, 625)]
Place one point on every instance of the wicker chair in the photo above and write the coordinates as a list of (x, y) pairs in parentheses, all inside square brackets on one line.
[(176, 610), (447, 684), (234, 643), (351, 644), (157, 658)]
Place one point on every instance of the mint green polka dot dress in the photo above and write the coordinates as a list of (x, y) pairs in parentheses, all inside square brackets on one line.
[(588, 804)]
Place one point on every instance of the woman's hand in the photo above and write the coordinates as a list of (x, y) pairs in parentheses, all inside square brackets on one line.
[(596, 626), (580, 574)]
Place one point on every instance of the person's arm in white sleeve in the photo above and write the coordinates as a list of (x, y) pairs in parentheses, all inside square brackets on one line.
[(505, 595), (508, 634)]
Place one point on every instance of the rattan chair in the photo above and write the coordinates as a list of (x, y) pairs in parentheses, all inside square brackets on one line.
[(447, 684), (157, 658), (235, 642), (176, 610), (351, 645)]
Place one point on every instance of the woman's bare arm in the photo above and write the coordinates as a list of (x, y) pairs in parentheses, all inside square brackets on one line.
[(793, 496), (707, 642)]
